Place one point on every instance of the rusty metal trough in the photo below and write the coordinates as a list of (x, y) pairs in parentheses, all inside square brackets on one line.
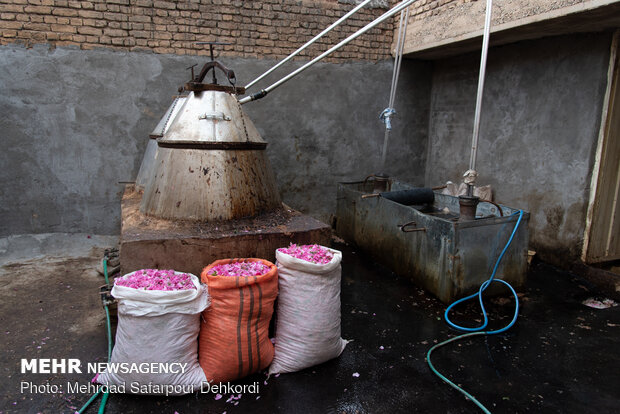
[(428, 243)]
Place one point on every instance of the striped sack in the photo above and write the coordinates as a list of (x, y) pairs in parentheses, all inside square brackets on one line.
[(234, 340)]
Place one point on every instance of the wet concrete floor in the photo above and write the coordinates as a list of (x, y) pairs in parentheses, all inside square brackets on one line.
[(560, 357)]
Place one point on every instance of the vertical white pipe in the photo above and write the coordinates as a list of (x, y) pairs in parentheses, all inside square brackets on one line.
[(400, 43), (483, 65), (397, 57), (355, 35), (400, 57)]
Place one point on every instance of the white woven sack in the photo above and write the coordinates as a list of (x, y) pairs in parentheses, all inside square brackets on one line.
[(308, 313), (157, 326)]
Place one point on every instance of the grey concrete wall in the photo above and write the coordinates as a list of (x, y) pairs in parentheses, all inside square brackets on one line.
[(74, 123), (539, 129)]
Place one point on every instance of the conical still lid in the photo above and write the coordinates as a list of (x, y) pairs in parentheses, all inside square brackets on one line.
[(211, 117), (210, 164), (166, 120)]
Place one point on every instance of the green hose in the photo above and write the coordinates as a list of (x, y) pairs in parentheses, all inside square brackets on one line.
[(106, 395), (105, 271), (103, 401), (446, 380), (107, 317), (85, 406)]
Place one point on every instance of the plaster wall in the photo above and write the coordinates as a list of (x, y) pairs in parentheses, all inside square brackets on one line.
[(539, 128)]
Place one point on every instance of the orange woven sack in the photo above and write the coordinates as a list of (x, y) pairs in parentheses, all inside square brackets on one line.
[(234, 340)]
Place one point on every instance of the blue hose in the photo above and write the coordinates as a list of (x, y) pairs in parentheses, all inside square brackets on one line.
[(483, 287), (479, 330)]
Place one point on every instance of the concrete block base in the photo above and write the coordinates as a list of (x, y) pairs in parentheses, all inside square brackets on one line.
[(189, 246)]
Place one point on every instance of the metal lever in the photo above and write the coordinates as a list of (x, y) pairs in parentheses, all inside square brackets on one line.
[(213, 64), (230, 74), (106, 297), (192, 69), (411, 223)]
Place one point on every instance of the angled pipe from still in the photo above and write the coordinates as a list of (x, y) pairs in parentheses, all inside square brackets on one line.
[(311, 41), (352, 37)]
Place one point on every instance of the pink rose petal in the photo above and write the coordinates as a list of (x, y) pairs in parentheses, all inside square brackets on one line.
[(240, 269), (153, 279), (312, 253)]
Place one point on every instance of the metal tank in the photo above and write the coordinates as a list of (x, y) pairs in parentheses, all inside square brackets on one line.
[(431, 243), (210, 163)]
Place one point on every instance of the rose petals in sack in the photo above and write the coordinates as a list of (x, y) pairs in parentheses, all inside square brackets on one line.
[(308, 322), (153, 279), (240, 269), (312, 253), (160, 326)]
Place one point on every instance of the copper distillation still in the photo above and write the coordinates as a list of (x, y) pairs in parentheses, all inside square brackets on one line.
[(206, 189), (211, 162)]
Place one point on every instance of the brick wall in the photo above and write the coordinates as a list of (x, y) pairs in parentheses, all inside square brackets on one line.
[(265, 29)]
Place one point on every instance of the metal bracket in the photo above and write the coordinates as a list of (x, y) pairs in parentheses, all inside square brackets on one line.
[(217, 116), (411, 223), (106, 297)]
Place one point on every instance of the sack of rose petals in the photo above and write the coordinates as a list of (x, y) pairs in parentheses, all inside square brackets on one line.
[(234, 339), (308, 310), (158, 322)]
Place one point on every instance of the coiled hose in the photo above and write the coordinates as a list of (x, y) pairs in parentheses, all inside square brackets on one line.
[(478, 330)]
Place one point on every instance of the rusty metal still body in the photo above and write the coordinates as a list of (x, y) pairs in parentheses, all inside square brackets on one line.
[(205, 189), (210, 163)]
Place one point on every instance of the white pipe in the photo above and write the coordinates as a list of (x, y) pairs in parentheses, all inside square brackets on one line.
[(360, 32), (397, 57), (314, 39), (400, 43), (483, 66)]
